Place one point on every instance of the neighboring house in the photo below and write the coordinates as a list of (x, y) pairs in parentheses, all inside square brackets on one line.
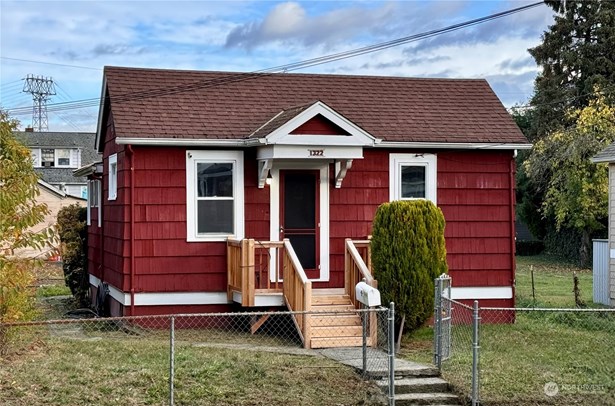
[(608, 156), (55, 199), (205, 172), (57, 154)]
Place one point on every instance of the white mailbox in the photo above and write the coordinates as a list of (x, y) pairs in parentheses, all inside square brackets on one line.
[(367, 295)]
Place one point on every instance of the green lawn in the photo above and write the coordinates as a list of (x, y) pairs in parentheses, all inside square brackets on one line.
[(574, 350), (553, 282)]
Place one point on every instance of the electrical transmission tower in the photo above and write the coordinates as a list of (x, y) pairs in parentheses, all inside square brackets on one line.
[(40, 88)]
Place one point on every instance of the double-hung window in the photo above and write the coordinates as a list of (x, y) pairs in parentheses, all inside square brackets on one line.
[(412, 176), (214, 195)]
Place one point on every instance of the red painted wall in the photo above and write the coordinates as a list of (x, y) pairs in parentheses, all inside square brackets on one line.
[(473, 193)]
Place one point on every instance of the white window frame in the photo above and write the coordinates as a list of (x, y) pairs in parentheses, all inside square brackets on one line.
[(94, 200), (57, 159), (200, 156), (112, 192), (429, 161), (36, 157)]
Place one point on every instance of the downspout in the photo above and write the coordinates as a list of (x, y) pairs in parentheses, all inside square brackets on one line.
[(131, 155), (512, 224)]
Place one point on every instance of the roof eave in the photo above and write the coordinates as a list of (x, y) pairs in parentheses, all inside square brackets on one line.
[(454, 145)]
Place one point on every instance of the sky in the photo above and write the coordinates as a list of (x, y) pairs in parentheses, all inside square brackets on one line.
[(71, 42)]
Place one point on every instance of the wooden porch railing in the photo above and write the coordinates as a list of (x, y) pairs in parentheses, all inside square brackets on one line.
[(297, 291), (248, 268), (357, 268)]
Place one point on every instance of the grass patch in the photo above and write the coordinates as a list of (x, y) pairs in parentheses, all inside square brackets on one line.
[(574, 350), (52, 290), (103, 371), (552, 282)]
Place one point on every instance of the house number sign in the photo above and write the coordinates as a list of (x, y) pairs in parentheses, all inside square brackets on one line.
[(316, 152)]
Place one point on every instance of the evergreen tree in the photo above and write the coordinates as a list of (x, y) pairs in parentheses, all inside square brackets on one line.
[(577, 55)]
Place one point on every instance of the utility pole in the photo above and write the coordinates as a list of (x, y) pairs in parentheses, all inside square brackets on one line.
[(40, 88)]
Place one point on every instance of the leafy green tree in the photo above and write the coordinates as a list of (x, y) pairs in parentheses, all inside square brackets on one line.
[(19, 212), (408, 253), (575, 189), (576, 55)]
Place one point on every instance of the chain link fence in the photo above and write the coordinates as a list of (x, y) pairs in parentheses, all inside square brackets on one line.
[(249, 358), (522, 356)]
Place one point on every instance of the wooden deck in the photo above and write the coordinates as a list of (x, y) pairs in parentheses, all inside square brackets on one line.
[(330, 319)]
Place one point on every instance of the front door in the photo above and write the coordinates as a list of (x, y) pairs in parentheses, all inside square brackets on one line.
[(300, 217)]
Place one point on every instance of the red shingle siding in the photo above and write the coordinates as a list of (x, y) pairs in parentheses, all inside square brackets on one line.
[(165, 261), (474, 193)]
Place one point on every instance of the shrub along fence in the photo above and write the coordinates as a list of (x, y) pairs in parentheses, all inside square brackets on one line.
[(506, 356), (207, 359)]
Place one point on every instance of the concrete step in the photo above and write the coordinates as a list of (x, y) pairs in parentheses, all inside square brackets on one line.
[(408, 369), (417, 385), (408, 399)]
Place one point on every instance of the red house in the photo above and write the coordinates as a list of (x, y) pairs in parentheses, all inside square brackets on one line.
[(221, 188)]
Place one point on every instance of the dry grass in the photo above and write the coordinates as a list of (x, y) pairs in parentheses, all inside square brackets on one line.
[(103, 371)]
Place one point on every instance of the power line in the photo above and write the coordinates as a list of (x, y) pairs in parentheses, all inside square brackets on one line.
[(238, 77), (49, 63)]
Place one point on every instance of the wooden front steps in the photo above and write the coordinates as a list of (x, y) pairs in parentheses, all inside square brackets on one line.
[(334, 328)]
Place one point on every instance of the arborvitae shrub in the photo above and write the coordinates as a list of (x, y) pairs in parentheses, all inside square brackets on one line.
[(73, 235), (408, 253)]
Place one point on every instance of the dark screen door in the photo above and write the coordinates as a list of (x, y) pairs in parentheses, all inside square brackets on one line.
[(299, 217)]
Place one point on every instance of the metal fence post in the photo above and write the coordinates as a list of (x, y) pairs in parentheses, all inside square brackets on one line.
[(364, 317), (391, 354), (171, 361), (437, 320), (475, 353)]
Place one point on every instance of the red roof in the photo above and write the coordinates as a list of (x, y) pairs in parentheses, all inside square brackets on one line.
[(155, 103)]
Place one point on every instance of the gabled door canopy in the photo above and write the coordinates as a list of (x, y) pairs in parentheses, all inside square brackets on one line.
[(281, 141)]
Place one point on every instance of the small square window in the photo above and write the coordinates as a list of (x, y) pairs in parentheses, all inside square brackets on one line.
[(412, 176), (63, 157), (412, 182)]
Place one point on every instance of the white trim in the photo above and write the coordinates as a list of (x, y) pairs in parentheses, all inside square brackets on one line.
[(89, 204), (192, 158), (270, 299), (274, 210), (180, 298), (482, 292), (99, 202), (115, 293), (305, 152), (164, 298), (51, 188), (112, 177), (179, 142), (101, 111), (188, 142), (452, 145), (429, 161), (357, 137)]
